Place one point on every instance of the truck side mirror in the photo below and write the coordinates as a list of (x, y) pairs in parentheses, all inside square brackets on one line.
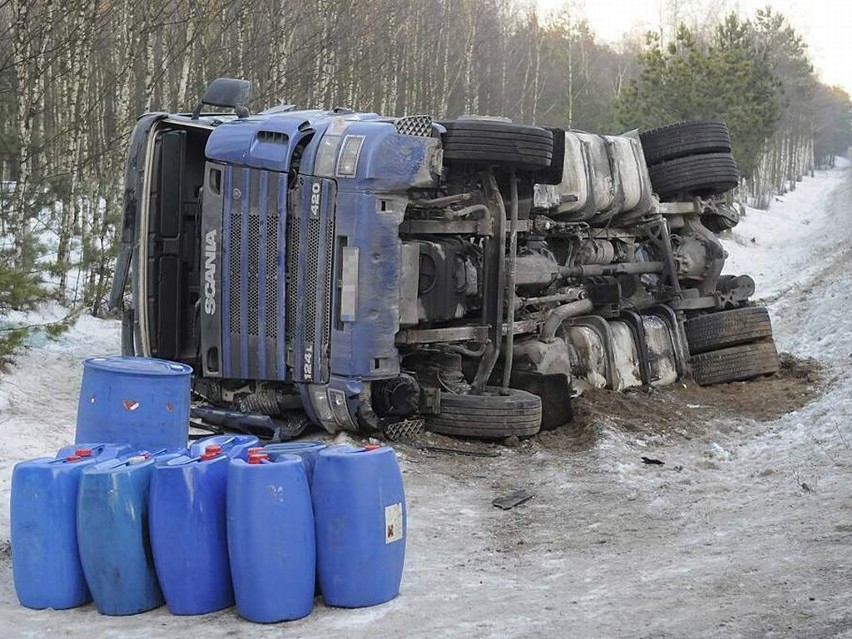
[(226, 92)]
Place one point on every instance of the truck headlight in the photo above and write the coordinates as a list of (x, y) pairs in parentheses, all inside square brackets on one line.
[(347, 161), (319, 399), (327, 155), (337, 398)]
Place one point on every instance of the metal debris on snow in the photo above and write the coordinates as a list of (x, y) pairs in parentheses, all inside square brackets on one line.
[(513, 499)]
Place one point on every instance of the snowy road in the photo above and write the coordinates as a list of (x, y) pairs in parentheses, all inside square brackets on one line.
[(745, 532)]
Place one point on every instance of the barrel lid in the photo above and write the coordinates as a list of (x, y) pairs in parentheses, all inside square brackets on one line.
[(295, 447), (137, 366), (346, 450), (211, 451)]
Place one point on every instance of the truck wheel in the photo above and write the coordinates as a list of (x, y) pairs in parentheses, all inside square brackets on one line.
[(685, 138), (717, 223), (696, 175), (488, 416), (735, 363), (727, 328), (553, 173), (497, 143)]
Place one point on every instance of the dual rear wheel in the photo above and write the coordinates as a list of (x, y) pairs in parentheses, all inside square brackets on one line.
[(731, 345)]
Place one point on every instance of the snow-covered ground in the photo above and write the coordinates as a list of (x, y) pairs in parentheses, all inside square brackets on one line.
[(746, 531), (786, 245)]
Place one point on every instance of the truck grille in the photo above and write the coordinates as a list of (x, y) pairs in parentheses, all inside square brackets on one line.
[(272, 310), (311, 278), (294, 241), (309, 258), (234, 266), (251, 275)]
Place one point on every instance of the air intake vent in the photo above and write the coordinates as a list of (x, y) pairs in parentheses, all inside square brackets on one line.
[(272, 137), (418, 125)]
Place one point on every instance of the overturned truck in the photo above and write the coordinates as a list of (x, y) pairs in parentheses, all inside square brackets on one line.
[(360, 272)]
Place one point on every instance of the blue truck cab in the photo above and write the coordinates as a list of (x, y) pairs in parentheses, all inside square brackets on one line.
[(354, 270)]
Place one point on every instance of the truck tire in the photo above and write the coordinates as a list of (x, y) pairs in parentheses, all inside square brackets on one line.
[(727, 328), (553, 173), (717, 223), (685, 138), (696, 175), (497, 144), (488, 416), (735, 363)]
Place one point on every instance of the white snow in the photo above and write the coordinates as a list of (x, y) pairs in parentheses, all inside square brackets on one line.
[(785, 245), (38, 398)]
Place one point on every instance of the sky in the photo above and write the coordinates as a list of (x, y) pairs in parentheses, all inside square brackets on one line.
[(826, 25)]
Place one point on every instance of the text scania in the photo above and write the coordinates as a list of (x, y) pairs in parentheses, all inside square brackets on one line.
[(210, 272)]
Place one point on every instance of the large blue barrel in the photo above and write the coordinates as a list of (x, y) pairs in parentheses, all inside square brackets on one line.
[(112, 534), (360, 511), (232, 445), (308, 451), (271, 539), (134, 400), (188, 533), (45, 560)]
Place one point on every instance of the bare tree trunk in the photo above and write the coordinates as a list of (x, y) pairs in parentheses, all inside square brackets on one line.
[(29, 43), (188, 58), (78, 59)]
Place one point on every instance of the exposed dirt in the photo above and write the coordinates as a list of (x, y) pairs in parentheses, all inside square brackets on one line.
[(678, 408)]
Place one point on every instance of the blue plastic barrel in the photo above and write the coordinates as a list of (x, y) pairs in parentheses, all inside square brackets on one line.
[(271, 539), (360, 511), (100, 450), (232, 445), (45, 561), (188, 533), (308, 451), (112, 534), (134, 400)]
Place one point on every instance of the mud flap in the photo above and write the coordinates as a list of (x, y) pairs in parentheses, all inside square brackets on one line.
[(555, 392), (128, 344)]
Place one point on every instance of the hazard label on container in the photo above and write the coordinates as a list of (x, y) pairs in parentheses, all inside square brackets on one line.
[(393, 523)]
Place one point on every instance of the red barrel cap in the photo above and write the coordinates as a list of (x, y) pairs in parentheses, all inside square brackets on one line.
[(370, 447), (83, 452), (211, 451), (257, 458), (73, 458)]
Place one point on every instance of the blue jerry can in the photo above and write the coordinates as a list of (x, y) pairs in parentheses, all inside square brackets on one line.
[(139, 401), (231, 445), (112, 534), (45, 561), (308, 451), (360, 511), (271, 539), (188, 532), (100, 450)]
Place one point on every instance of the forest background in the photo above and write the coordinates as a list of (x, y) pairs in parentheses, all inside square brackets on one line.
[(75, 74)]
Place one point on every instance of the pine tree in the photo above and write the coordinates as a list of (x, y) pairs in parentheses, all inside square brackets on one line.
[(727, 78)]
